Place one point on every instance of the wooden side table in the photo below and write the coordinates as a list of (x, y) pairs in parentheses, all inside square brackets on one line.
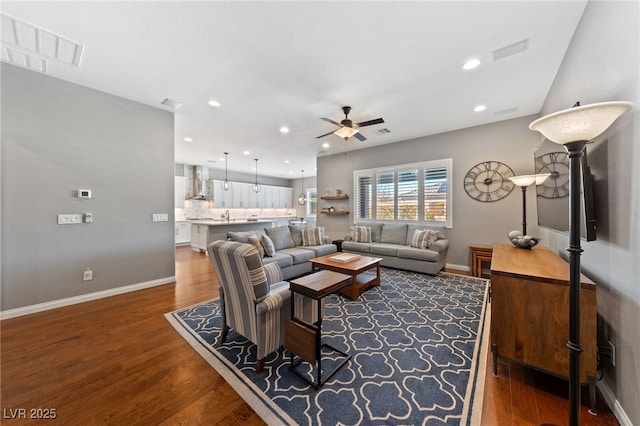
[(479, 256), (304, 339)]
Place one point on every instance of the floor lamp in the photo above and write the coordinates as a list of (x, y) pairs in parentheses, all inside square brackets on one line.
[(524, 181), (573, 128)]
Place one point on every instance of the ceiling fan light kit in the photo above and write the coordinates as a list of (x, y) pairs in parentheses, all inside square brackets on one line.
[(345, 132)]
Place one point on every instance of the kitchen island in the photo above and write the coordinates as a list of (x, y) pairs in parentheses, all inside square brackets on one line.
[(205, 231)]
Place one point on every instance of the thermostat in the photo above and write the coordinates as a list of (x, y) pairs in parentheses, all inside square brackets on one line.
[(84, 193)]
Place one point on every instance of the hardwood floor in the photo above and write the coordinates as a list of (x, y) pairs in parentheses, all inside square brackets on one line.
[(118, 361)]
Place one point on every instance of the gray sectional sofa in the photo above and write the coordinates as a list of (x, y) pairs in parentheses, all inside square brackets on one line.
[(392, 243), (290, 253)]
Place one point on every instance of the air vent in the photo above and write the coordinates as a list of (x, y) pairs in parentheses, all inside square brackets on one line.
[(506, 111), (171, 103), (383, 131), (24, 60), (19, 35), (511, 49)]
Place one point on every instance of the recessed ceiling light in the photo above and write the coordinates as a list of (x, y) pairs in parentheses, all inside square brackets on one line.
[(284, 129), (326, 145), (480, 108), (290, 172), (246, 152), (471, 64), (286, 161), (188, 139), (214, 103)]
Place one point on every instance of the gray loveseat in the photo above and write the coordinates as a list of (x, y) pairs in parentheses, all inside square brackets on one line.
[(290, 252), (392, 243)]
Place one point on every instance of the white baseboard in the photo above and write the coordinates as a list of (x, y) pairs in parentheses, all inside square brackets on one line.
[(32, 309), (614, 404), (458, 267)]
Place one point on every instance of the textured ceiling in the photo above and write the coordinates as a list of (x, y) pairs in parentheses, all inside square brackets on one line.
[(273, 64)]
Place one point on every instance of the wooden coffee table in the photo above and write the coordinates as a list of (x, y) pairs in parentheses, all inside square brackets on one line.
[(356, 268)]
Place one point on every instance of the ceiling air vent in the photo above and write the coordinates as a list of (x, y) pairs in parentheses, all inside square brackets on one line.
[(511, 49), (24, 60), (171, 103), (383, 131), (22, 36), (505, 111)]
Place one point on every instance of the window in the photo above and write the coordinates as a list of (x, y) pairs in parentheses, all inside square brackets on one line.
[(312, 202), (411, 192)]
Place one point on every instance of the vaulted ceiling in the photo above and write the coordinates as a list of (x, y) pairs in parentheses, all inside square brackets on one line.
[(275, 64)]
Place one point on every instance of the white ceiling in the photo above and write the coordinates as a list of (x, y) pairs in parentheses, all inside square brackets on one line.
[(290, 63)]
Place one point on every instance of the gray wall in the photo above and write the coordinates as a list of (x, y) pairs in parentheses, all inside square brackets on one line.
[(474, 222), (58, 137), (602, 64)]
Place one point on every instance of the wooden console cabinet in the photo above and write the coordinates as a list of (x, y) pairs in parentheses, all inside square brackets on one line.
[(530, 312)]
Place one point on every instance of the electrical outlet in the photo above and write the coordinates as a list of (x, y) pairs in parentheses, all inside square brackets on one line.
[(87, 275), (159, 217), (613, 353)]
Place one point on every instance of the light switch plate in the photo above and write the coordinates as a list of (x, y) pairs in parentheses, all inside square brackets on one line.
[(69, 218), (160, 217)]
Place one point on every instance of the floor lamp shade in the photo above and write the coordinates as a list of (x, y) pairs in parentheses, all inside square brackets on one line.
[(523, 181), (582, 123), (573, 128)]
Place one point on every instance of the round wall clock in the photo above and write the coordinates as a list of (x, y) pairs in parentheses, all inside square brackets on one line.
[(488, 181), (557, 185)]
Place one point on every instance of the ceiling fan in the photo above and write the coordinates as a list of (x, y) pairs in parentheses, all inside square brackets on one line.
[(349, 128)]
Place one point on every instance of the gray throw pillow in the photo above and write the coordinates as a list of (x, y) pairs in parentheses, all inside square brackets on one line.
[(269, 249), (281, 237)]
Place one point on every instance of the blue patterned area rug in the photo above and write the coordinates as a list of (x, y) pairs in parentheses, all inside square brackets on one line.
[(418, 346)]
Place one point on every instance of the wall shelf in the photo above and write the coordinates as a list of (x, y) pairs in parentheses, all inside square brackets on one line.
[(335, 197)]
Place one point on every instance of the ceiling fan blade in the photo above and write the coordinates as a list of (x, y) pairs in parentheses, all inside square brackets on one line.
[(326, 134), (360, 137), (330, 121), (370, 122)]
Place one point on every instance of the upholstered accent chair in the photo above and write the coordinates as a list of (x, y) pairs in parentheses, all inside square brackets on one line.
[(254, 300)]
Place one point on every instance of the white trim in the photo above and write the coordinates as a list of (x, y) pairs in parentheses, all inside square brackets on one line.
[(458, 267), (32, 309), (614, 404)]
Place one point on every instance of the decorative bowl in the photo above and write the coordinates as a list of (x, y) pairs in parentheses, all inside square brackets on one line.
[(523, 241)]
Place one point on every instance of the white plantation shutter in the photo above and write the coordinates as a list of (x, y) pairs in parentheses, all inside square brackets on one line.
[(385, 196), (419, 193), (408, 195), (435, 194), (363, 199)]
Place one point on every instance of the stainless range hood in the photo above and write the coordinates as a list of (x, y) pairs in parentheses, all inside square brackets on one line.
[(201, 187)]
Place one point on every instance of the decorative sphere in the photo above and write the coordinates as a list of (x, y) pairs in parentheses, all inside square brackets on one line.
[(523, 241)]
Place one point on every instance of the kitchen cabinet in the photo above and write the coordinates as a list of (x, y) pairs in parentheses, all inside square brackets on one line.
[(259, 200), (179, 191), (199, 235), (286, 198), (183, 233), (240, 196), (222, 199)]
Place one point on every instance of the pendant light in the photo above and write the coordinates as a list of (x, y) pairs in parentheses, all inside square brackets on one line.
[(302, 198), (225, 184), (255, 187)]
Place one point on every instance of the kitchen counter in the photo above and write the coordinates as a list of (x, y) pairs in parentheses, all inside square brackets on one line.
[(223, 222), (205, 231)]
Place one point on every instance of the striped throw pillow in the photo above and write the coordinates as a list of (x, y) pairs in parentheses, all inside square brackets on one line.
[(361, 234), (313, 236), (423, 238)]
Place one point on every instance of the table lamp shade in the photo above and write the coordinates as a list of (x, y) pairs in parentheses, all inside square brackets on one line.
[(582, 123)]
